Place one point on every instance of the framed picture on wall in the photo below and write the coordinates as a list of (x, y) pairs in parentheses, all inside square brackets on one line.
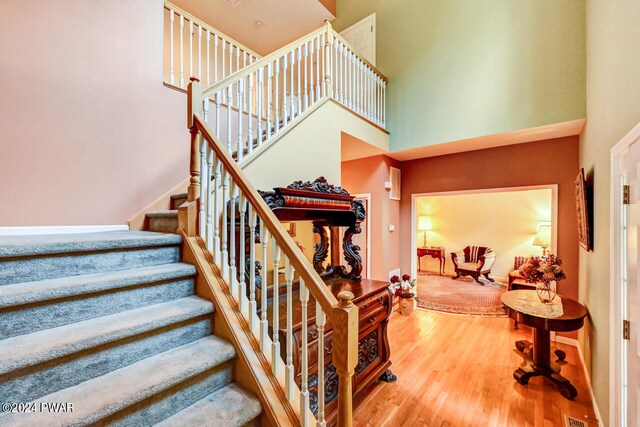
[(582, 211)]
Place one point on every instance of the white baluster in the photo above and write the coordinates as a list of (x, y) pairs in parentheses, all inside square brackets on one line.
[(276, 93), (205, 110), (190, 49), (202, 214), (239, 105), (237, 58), (318, 75), (242, 291), (210, 196), (275, 322), (230, 58), (291, 93), (233, 276), (290, 385), (259, 98), (285, 106), (320, 322), (304, 369), (229, 102), (215, 58), (299, 93), (200, 53), (208, 58), (264, 289), (250, 115), (225, 224), (181, 51), (252, 269), (268, 106), (384, 103), (312, 81), (171, 19), (217, 205), (224, 48), (306, 75)]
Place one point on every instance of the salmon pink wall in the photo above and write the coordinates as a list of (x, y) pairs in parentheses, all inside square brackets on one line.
[(368, 176), (88, 133), (537, 163)]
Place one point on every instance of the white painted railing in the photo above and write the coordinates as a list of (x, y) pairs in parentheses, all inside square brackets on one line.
[(220, 198), (253, 105), (195, 49)]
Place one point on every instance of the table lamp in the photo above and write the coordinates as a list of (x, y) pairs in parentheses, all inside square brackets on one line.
[(424, 224), (543, 237)]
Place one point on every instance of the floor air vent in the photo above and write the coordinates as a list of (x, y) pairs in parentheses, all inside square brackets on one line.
[(574, 422)]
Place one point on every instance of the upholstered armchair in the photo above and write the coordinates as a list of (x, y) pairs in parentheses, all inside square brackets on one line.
[(516, 280), (474, 261)]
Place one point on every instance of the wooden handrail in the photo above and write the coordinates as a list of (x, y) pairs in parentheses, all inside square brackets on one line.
[(311, 278), (169, 6), (249, 69)]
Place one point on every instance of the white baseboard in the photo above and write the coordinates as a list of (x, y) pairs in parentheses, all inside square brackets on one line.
[(574, 342), (62, 229)]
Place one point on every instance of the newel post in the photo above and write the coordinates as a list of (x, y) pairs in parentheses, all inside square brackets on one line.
[(328, 84), (194, 106), (345, 353)]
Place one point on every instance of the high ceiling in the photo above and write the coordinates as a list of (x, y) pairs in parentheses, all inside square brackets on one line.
[(261, 25)]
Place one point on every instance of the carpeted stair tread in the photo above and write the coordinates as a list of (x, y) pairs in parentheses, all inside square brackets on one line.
[(46, 290), (166, 213), (30, 349), (23, 246), (229, 407), (108, 394)]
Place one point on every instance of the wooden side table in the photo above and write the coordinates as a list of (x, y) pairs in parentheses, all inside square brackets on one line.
[(434, 252), (537, 355)]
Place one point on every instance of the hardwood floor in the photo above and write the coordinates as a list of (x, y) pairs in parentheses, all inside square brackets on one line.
[(457, 371)]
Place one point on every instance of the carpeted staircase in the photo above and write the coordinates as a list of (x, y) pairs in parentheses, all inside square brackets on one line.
[(109, 323)]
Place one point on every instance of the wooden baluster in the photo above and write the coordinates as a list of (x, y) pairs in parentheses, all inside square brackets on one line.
[(275, 346), (252, 269), (304, 369), (268, 106), (291, 99), (190, 49), (240, 145), (225, 224), (194, 94), (285, 105), (229, 105), (211, 195), (250, 115), (276, 94), (299, 93), (320, 322), (259, 98), (345, 353), (264, 289), (289, 382), (208, 58), (181, 51), (171, 20), (231, 225), (312, 87), (242, 289)]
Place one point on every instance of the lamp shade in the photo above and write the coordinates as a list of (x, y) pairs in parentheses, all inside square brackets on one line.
[(543, 235), (424, 223)]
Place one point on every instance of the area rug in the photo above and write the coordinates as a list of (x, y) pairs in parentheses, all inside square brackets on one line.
[(460, 296)]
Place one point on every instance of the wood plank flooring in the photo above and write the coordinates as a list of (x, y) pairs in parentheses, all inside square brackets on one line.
[(457, 370)]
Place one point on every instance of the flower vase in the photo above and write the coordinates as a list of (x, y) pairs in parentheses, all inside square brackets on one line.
[(406, 306), (546, 292)]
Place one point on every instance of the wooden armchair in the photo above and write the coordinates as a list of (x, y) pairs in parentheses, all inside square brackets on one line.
[(474, 261)]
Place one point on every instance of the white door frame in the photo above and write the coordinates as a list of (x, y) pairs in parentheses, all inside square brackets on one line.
[(367, 197), (615, 266), (372, 19), (554, 213)]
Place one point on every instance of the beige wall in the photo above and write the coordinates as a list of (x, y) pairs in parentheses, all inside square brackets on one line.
[(613, 108), (504, 221), (461, 69), (88, 134)]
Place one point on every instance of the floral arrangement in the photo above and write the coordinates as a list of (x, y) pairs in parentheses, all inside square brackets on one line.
[(405, 288), (543, 269)]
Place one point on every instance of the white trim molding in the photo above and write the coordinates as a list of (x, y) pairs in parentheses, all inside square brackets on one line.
[(59, 229)]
